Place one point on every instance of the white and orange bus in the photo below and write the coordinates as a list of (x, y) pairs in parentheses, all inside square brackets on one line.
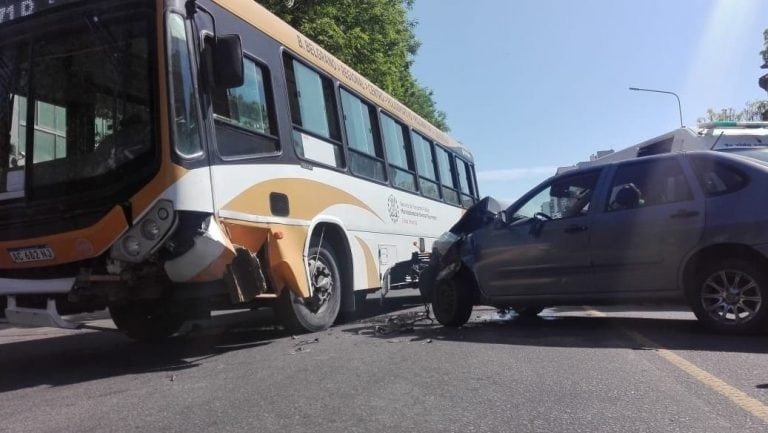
[(167, 158)]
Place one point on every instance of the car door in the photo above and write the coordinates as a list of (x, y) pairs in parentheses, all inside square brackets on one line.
[(544, 249), (652, 218)]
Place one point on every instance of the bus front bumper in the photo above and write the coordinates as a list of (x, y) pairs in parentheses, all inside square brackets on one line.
[(10, 286)]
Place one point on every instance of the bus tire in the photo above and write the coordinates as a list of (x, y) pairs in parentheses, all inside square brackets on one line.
[(320, 311), (146, 320)]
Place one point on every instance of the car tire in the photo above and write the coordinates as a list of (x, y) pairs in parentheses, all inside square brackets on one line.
[(452, 302), (320, 311), (531, 311), (730, 296), (148, 321), (3, 306)]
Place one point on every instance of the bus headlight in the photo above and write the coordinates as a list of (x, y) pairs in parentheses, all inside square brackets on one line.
[(147, 235), (150, 229), (131, 246)]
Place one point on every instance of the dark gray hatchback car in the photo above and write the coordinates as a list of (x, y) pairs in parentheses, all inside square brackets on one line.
[(687, 227)]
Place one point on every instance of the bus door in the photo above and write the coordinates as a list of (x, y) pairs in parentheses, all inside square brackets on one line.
[(241, 119)]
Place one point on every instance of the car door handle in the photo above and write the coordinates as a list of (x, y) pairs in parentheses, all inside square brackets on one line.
[(575, 228), (682, 213)]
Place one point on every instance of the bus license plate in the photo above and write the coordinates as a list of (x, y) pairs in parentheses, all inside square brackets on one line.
[(31, 254)]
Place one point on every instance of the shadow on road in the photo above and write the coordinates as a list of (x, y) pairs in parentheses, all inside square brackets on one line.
[(69, 359), (488, 327), (87, 356)]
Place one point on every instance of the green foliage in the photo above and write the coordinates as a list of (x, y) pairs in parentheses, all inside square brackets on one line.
[(374, 37), (752, 111), (764, 53)]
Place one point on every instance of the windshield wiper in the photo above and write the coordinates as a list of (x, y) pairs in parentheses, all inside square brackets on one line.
[(109, 44)]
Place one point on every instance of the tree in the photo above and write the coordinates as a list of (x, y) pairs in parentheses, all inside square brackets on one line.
[(752, 111), (764, 53), (374, 37)]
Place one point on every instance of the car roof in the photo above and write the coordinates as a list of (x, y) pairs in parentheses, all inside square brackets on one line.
[(725, 156)]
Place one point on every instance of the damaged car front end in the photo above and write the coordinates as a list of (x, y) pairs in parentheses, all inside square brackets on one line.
[(448, 282)]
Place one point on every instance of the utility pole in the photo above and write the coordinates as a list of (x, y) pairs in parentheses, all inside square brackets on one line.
[(679, 106)]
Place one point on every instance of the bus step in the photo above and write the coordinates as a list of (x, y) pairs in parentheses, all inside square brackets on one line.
[(37, 317)]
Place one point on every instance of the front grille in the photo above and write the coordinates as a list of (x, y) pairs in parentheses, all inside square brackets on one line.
[(34, 222), (66, 270)]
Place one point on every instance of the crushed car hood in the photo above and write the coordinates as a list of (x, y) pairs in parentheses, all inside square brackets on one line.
[(480, 214)]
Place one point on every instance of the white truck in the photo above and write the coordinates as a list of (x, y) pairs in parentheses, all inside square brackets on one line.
[(746, 138)]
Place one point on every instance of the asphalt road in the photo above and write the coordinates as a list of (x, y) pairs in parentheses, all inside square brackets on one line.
[(631, 369)]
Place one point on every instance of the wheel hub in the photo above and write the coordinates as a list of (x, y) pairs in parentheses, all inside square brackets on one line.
[(322, 282), (731, 297)]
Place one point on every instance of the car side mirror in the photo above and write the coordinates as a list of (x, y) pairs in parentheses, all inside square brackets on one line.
[(504, 217), (228, 69)]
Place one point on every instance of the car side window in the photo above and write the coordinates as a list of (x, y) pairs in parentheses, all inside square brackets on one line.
[(717, 178), (648, 183), (563, 198)]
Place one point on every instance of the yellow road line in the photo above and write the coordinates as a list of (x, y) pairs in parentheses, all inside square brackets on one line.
[(751, 405)]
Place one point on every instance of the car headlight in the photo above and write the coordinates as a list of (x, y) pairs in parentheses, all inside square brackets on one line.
[(445, 241)]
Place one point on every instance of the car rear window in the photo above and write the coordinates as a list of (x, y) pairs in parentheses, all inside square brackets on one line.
[(716, 177)]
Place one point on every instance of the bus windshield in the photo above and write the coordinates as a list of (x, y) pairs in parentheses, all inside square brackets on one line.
[(75, 104)]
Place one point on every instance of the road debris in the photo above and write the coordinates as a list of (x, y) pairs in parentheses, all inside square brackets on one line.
[(306, 342), (398, 324)]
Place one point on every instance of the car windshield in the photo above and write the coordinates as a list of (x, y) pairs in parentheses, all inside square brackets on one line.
[(74, 108)]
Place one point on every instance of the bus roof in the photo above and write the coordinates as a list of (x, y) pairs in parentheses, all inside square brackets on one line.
[(723, 124), (259, 17)]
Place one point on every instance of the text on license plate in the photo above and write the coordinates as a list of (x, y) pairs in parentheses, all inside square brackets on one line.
[(31, 254)]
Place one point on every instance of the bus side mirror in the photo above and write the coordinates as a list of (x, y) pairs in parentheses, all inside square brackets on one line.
[(228, 62)]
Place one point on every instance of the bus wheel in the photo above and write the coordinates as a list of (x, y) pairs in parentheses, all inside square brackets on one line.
[(319, 311), (146, 320)]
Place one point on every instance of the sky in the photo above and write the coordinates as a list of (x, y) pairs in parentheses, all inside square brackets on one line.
[(530, 85)]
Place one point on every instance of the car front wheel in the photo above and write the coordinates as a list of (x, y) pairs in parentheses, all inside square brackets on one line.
[(730, 295), (452, 302)]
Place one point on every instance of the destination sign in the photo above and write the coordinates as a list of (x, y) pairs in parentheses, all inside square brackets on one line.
[(14, 9)]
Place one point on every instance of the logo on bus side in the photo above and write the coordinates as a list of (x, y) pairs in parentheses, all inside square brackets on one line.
[(394, 208)]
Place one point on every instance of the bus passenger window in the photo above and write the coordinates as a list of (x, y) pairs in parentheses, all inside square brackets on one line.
[(450, 194), (465, 182), (245, 106), (248, 108), (316, 135), (184, 108), (399, 154), (365, 154), (425, 163)]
